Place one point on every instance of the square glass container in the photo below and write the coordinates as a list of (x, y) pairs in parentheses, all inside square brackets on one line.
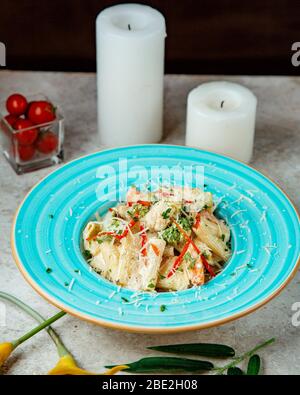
[(46, 150)]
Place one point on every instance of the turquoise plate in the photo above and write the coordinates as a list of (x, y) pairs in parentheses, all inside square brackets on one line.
[(264, 225)]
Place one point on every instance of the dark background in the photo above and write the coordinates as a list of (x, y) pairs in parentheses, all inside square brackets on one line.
[(204, 36)]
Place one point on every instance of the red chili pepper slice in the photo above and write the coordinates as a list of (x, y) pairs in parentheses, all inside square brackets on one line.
[(197, 222), (186, 236), (141, 202), (144, 240), (125, 232), (179, 259), (155, 249)]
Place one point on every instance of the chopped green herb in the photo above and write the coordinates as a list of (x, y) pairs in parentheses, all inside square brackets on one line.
[(171, 235), (223, 237), (186, 223), (163, 308), (166, 214), (124, 299), (87, 254), (48, 270), (188, 258), (76, 270), (161, 276), (66, 284), (51, 216), (115, 223), (151, 285), (137, 210)]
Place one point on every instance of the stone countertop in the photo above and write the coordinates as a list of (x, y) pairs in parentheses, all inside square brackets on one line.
[(277, 146)]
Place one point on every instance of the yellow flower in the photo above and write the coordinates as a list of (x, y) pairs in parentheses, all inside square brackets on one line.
[(5, 351), (115, 370), (67, 366)]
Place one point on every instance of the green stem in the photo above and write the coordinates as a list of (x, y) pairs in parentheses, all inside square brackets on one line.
[(38, 328), (61, 349), (247, 354)]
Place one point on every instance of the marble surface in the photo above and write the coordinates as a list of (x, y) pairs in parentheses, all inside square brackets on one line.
[(277, 146)]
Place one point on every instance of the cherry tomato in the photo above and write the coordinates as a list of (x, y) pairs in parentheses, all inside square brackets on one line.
[(41, 112), (28, 136), (26, 152), (28, 107), (16, 104), (47, 142), (10, 119)]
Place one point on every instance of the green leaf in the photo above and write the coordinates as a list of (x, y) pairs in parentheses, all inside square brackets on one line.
[(204, 349), (156, 364), (253, 365), (235, 371)]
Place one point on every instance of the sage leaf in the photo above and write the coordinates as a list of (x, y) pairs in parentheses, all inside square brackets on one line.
[(235, 371), (156, 364), (253, 365), (203, 349)]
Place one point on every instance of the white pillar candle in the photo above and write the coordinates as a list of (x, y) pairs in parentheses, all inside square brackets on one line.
[(221, 118), (130, 68)]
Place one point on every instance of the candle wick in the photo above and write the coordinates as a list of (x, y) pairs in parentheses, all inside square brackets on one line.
[(129, 27), (222, 103)]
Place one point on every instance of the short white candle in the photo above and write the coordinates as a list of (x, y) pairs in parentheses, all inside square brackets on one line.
[(130, 68), (221, 118)]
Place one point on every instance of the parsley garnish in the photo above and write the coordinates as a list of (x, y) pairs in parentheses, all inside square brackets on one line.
[(137, 210), (166, 214), (87, 254), (188, 258), (124, 299), (163, 308)]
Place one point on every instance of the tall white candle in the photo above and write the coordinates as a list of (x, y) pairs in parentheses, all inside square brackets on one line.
[(221, 118), (130, 68)]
